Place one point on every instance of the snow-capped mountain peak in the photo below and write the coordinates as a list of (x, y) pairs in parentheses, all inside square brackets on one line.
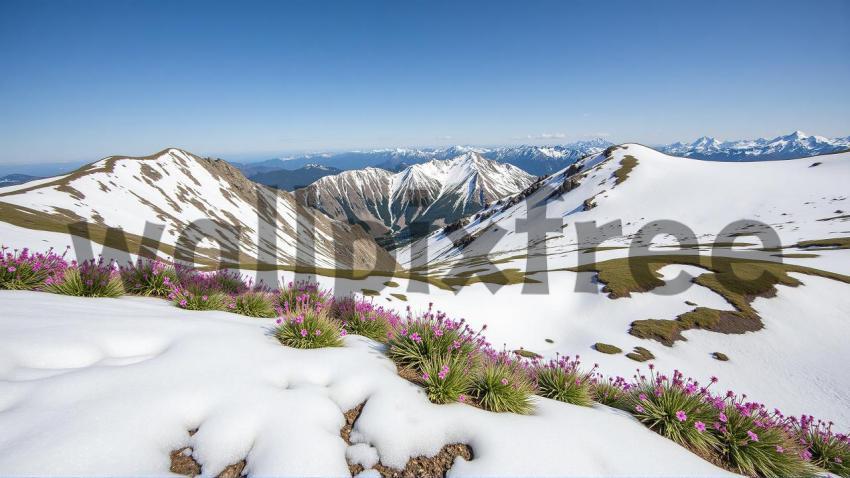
[(435, 192)]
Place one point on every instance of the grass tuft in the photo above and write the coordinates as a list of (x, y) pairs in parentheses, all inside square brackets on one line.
[(501, 385), (563, 381), (254, 304), (446, 377), (308, 329), (149, 278), (361, 317), (89, 279), (754, 448)]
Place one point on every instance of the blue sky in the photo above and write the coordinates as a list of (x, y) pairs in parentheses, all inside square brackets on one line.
[(84, 79)]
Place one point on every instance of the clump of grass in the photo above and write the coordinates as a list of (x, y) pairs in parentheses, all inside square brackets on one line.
[(562, 380), (149, 278), (229, 282), (308, 328), (254, 304), (674, 408), (30, 271), (186, 298), (612, 392), (720, 356), (826, 449), (301, 294), (446, 377), (502, 385), (414, 340), (753, 443), (89, 279), (606, 348), (390, 283), (361, 317)]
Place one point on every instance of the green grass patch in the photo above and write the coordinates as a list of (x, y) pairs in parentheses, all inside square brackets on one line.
[(370, 292), (527, 354), (720, 356), (398, 296), (627, 164), (607, 348), (836, 243), (640, 354), (390, 283), (737, 280)]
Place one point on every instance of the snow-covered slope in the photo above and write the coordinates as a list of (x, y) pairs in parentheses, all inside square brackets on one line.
[(803, 199), (109, 387), (437, 192), (189, 200), (794, 145), (789, 355)]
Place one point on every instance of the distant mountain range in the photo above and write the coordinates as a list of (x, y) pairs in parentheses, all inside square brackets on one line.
[(543, 160), (437, 193), (794, 145), (537, 160)]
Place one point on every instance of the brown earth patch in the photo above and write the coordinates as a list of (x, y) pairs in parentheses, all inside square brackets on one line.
[(183, 463), (435, 466)]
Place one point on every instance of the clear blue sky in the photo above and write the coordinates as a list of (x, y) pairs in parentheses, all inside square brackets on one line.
[(83, 79)]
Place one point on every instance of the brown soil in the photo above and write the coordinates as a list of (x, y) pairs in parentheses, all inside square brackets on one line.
[(420, 466), (183, 463)]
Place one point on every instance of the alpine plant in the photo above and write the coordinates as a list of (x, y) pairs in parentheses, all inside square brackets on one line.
[(89, 278), (362, 317), (308, 328), (24, 270)]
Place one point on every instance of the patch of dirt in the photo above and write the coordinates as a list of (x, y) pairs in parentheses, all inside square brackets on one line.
[(183, 463), (420, 466)]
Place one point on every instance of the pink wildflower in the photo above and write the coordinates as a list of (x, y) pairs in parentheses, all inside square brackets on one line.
[(752, 435), (303, 332), (681, 416), (700, 426)]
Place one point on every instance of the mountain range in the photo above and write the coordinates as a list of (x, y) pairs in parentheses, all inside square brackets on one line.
[(435, 193), (543, 160), (794, 145)]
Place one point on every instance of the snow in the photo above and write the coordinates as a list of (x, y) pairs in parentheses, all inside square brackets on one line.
[(102, 387), (795, 145)]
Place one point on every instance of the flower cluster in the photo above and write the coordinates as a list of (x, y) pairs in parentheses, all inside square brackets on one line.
[(24, 270), (362, 317), (90, 278)]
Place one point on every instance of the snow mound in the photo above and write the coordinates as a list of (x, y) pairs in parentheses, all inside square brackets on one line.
[(111, 386)]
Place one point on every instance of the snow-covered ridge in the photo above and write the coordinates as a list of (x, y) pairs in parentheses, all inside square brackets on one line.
[(794, 145), (437, 191), (193, 200), (796, 197)]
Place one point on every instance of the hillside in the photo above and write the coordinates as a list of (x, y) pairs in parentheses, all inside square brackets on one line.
[(434, 193), (195, 201)]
